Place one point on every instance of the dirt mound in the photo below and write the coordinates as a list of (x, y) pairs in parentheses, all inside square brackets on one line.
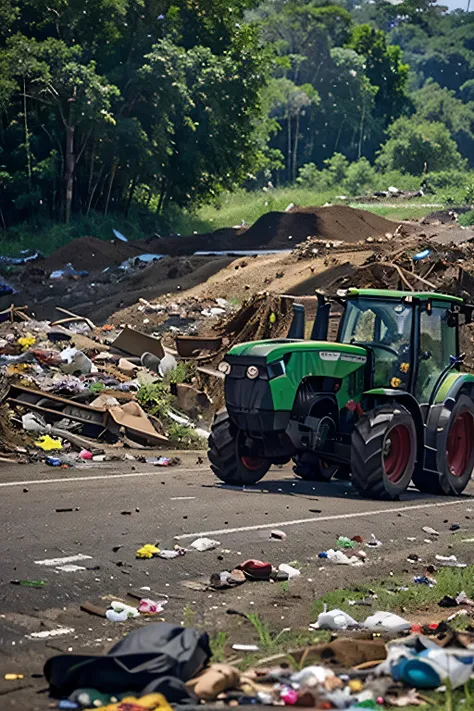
[(282, 230), (90, 254), (334, 222)]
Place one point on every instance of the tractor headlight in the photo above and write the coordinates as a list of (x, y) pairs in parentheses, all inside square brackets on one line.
[(224, 367), (252, 372), (276, 369)]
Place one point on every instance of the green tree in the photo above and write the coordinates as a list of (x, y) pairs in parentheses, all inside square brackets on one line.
[(419, 147), (384, 69), (434, 103), (289, 103)]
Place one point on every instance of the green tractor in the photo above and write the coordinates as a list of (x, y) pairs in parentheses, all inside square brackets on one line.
[(386, 403)]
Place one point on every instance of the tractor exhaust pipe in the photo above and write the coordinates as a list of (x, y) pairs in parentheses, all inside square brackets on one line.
[(298, 324)]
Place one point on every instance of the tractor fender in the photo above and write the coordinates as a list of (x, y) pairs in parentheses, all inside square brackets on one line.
[(451, 386), (379, 396), (437, 416)]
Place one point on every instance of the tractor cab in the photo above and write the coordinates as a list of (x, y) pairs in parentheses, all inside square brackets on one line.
[(412, 338)]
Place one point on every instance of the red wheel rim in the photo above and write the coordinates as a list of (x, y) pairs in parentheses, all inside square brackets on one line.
[(252, 463), (460, 444), (397, 450)]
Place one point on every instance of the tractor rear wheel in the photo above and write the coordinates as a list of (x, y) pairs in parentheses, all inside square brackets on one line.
[(310, 467), (383, 452), (455, 451), (231, 456)]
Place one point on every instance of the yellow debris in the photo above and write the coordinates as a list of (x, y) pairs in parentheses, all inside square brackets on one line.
[(148, 551), (356, 686), (47, 443), (150, 702), (26, 342)]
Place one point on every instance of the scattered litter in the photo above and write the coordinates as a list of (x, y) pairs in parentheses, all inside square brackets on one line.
[(47, 634), (13, 677), (177, 552), (344, 542), (29, 583), (120, 612), (422, 255), (449, 561), (386, 621), (424, 580), (429, 668), (334, 620), (245, 647), (430, 531), (256, 569), (47, 443), (341, 558), (204, 544), (54, 562), (150, 607), (373, 542), (279, 535), (289, 570), (147, 551), (454, 527)]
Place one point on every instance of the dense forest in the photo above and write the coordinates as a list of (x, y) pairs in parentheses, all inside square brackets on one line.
[(109, 105)]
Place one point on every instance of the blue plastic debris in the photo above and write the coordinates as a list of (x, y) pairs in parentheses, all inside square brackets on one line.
[(119, 235), (53, 461), (422, 255)]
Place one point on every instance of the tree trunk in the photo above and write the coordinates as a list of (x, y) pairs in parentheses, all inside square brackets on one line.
[(70, 165), (131, 193), (289, 149), (295, 149), (109, 191), (361, 134), (162, 196)]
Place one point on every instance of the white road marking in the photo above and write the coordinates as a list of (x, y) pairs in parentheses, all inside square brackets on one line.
[(336, 517), (63, 561), (95, 477), (182, 498)]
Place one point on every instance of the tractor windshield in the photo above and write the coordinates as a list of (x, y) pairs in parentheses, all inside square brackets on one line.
[(384, 326)]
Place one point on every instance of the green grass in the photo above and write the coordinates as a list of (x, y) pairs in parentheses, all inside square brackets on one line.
[(450, 581), (218, 643)]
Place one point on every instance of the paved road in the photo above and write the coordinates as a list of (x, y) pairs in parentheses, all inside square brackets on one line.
[(127, 506)]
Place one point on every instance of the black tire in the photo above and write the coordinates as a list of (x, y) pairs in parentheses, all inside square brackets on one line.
[(228, 462), (310, 467), (453, 453), (382, 466)]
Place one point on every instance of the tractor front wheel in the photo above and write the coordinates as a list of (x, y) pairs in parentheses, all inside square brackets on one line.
[(383, 452), (232, 456), (310, 467)]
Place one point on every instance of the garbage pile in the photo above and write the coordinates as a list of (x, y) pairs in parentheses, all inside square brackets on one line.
[(74, 390), (162, 665), (77, 392)]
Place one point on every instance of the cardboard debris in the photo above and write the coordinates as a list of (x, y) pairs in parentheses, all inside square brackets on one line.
[(136, 423), (136, 343)]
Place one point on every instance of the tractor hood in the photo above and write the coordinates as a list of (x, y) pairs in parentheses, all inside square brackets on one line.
[(275, 350)]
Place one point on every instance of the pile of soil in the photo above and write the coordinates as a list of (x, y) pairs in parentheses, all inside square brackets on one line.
[(90, 254), (283, 230)]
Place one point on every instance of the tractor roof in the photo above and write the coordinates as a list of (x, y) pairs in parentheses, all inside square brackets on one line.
[(389, 294)]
